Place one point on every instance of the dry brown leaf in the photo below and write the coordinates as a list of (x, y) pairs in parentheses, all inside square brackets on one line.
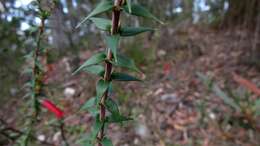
[(246, 83)]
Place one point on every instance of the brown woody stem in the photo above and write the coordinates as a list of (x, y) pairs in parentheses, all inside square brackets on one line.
[(108, 66)]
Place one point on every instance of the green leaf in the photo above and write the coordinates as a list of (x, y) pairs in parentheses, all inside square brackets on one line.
[(225, 98), (106, 142), (131, 31), (85, 141), (101, 88), (39, 65), (93, 111), (96, 128), (95, 59), (89, 104), (123, 61), (206, 80), (90, 139), (110, 88), (123, 77), (257, 107), (112, 43), (139, 10), (103, 6), (117, 118), (111, 106), (129, 5), (101, 23), (95, 69)]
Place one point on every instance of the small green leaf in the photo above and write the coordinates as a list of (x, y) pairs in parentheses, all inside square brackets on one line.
[(106, 142), (111, 106), (110, 88), (123, 77), (33, 29), (101, 88), (103, 6), (93, 111), (95, 69), (206, 80), (89, 104), (117, 118), (131, 31), (225, 98), (101, 23), (139, 10), (125, 62), (90, 139), (112, 43), (95, 59), (129, 5), (39, 65), (85, 141), (257, 107), (97, 126)]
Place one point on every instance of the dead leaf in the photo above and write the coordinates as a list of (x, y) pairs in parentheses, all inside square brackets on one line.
[(246, 83)]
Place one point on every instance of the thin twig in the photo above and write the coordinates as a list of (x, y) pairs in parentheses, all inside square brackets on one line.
[(18, 132), (63, 136)]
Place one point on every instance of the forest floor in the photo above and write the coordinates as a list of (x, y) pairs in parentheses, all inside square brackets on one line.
[(172, 107)]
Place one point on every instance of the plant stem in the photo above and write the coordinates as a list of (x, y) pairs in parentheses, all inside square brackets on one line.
[(36, 82), (109, 66), (36, 70)]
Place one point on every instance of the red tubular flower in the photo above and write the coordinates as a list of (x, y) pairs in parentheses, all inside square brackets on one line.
[(53, 108)]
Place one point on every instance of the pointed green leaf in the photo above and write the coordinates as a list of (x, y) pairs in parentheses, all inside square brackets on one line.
[(206, 80), (93, 111), (103, 6), (101, 88), (97, 126), (106, 142), (257, 107), (89, 104), (91, 138), (129, 5), (131, 31), (125, 62), (39, 65), (225, 98), (115, 116), (95, 69), (110, 88), (139, 10), (101, 23), (111, 106), (95, 59), (112, 43), (117, 119), (85, 141), (123, 77)]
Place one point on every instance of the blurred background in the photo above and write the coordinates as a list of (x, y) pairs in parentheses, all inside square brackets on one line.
[(200, 71)]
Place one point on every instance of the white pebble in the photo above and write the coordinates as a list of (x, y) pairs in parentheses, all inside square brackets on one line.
[(41, 137), (69, 92)]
